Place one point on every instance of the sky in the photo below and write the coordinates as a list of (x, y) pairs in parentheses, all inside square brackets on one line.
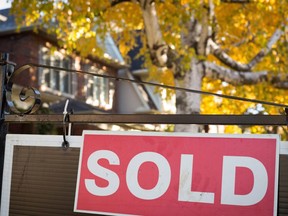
[(4, 4)]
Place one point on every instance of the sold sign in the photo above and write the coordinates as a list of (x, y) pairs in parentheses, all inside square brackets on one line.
[(177, 174)]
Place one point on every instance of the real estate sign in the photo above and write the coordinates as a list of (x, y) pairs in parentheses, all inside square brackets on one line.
[(177, 174)]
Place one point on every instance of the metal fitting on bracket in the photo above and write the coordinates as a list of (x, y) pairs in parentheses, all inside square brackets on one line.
[(66, 119), (4, 61)]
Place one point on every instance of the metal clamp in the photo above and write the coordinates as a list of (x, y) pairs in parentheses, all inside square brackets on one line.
[(66, 119)]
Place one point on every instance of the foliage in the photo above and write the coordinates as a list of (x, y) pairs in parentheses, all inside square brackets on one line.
[(242, 30), (46, 128)]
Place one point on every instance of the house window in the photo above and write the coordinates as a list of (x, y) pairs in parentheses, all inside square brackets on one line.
[(55, 80), (99, 90)]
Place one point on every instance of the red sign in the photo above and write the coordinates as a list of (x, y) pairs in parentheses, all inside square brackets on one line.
[(172, 174)]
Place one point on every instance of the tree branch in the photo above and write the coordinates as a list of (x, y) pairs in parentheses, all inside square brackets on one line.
[(204, 34), (158, 49), (236, 1), (227, 60), (157, 46), (160, 53), (115, 2), (237, 78), (233, 77), (279, 82)]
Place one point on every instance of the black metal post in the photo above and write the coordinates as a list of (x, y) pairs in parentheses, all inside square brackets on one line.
[(4, 68)]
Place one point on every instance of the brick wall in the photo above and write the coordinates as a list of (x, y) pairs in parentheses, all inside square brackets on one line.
[(23, 49)]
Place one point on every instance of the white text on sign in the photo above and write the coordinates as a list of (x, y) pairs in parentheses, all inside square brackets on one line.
[(228, 196)]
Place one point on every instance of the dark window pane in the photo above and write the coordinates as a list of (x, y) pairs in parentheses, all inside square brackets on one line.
[(66, 83)]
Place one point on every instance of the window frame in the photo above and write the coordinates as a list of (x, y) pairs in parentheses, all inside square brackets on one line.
[(102, 91), (56, 81)]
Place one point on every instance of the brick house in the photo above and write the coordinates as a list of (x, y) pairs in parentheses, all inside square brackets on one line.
[(87, 94)]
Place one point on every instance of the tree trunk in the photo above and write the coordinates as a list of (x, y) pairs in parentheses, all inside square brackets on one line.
[(189, 103)]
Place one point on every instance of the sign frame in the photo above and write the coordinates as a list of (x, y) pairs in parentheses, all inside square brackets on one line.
[(133, 133), (27, 140)]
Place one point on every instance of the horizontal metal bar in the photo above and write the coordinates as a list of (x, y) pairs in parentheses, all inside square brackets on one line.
[(154, 119)]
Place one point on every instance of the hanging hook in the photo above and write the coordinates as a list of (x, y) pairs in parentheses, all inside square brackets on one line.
[(65, 143)]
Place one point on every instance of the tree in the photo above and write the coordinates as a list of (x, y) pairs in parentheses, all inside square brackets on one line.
[(202, 44)]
